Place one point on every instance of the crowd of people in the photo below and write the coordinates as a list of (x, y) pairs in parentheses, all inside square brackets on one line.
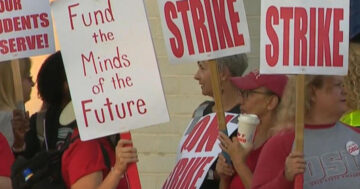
[(269, 163), (330, 159), (84, 164), (11, 131)]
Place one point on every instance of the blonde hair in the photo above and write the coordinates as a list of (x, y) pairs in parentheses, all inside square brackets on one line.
[(7, 91), (25, 65), (352, 80), (287, 108)]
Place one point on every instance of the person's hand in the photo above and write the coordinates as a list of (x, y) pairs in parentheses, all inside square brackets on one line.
[(125, 154), (223, 169), (233, 148), (20, 125), (294, 164)]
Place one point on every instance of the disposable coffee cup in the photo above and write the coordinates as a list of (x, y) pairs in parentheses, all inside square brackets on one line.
[(247, 124)]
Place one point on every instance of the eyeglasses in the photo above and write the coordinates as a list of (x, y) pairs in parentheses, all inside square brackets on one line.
[(246, 93)]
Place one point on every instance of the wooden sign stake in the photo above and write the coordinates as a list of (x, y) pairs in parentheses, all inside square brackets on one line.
[(17, 84), (215, 83), (299, 124)]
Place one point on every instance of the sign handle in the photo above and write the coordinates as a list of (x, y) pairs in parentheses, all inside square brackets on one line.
[(15, 68), (132, 173), (215, 83), (299, 124)]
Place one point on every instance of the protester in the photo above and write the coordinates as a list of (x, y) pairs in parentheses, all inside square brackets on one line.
[(261, 96), (83, 164), (228, 67), (54, 91), (352, 86), (330, 147), (7, 159), (13, 119), (352, 80)]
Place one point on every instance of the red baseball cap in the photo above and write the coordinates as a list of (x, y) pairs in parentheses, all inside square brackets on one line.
[(274, 82)]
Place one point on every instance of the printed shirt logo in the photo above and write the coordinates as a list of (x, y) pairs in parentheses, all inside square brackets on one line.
[(352, 148)]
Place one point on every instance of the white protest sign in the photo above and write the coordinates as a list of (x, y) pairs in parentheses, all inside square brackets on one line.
[(203, 29), (198, 150), (304, 37), (25, 29), (110, 65)]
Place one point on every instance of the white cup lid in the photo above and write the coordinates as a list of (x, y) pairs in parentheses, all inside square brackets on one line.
[(249, 118)]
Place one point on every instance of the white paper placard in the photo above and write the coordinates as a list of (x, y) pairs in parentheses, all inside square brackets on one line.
[(304, 37), (110, 64), (202, 29), (25, 29)]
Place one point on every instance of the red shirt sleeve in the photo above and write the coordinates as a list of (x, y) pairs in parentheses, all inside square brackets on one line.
[(269, 171), (6, 157), (80, 159), (86, 157)]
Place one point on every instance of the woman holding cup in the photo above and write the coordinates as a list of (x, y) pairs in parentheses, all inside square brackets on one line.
[(261, 96)]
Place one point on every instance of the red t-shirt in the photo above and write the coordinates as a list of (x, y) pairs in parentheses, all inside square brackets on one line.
[(85, 157), (269, 173), (251, 161), (6, 157)]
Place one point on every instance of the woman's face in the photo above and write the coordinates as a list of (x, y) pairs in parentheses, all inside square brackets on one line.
[(255, 101), (331, 97), (203, 75), (27, 84)]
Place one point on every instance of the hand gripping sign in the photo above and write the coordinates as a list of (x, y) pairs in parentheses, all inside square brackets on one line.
[(196, 30), (304, 37), (198, 149)]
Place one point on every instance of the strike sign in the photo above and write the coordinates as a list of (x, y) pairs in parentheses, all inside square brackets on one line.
[(25, 29), (304, 37), (198, 150), (203, 29), (110, 65)]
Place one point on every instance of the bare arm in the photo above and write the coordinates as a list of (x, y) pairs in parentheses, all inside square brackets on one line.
[(238, 156), (20, 124), (124, 156), (5, 183), (244, 172), (225, 172)]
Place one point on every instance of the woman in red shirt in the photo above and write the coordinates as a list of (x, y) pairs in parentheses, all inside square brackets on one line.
[(260, 96), (7, 160)]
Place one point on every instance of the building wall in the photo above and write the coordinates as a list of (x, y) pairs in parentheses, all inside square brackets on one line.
[(157, 144)]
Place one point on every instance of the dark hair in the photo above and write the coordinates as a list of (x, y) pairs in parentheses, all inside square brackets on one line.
[(51, 80)]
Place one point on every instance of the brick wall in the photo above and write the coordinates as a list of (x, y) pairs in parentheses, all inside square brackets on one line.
[(157, 144)]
